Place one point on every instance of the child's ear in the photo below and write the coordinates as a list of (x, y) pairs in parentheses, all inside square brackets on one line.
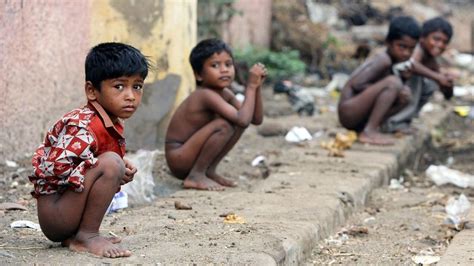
[(90, 91), (197, 77)]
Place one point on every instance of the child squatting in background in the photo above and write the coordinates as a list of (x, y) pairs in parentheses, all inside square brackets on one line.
[(211, 120), (373, 92), (80, 166), (425, 75)]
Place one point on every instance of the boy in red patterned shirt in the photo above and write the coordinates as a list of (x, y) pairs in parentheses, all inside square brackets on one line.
[(80, 166)]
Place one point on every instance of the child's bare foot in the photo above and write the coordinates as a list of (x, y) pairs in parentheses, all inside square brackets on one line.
[(112, 239), (375, 138), (201, 182), (407, 131), (97, 245), (221, 180)]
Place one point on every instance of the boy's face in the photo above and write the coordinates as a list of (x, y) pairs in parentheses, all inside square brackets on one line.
[(120, 97), (434, 43), (400, 50), (217, 72)]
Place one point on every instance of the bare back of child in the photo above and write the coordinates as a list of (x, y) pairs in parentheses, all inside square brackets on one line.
[(211, 120), (80, 166), (373, 92)]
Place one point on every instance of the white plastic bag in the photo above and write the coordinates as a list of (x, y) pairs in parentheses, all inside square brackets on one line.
[(458, 209), (442, 175), (298, 134), (141, 189)]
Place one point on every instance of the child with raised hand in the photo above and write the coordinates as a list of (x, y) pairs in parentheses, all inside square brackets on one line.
[(210, 121), (373, 92), (80, 166), (425, 75)]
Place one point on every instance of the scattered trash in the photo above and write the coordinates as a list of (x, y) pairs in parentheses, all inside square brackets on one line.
[(340, 143), (11, 164), (427, 108), (396, 183), (337, 82), (442, 175), (463, 59), (178, 205), (462, 110), (141, 189), (355, 230), (337, 240), (234, 219), (457, 210), (425, 259), (25, 224), (298, 134), (120, 201), (258, 160), (450, 161), (463, 91), (369, 220), (12, 206), (301, 99)]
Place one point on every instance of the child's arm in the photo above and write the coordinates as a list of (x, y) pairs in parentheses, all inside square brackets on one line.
[(440, 78), (258, 112), (243, 116), (434, 74), (370, 72)]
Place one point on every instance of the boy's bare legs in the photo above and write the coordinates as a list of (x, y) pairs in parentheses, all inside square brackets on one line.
[(373, 103), (383, 103), (211, 171), (75, 218), (192, 159)]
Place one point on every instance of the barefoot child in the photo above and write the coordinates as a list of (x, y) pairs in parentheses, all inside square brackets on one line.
[(80, 165), (435, 36), (211, 120), (373, 92)]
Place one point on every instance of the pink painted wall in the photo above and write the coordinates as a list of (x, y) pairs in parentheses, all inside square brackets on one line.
[(43, 44), (252, 27)]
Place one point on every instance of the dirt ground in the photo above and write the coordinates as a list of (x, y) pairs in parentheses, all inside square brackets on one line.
[(399, 224), (415, 203), (27, 245)]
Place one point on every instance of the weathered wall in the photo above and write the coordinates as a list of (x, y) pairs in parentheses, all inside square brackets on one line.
[(42, 51), (252, 27), (42, 48), (164, 30)]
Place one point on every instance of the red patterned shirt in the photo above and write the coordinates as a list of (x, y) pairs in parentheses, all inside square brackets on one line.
[(71, 147)]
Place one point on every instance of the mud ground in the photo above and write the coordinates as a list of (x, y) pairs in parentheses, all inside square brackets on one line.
[(200, 235), (401, 223)]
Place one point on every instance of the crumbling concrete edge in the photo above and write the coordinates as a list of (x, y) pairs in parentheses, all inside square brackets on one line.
[(298, 250), (461, 249)]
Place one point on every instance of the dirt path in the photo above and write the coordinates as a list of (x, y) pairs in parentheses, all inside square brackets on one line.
[(401, 223)]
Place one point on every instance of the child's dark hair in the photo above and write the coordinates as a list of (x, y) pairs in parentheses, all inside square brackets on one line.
[(205, 49), (113, 60), (401, 26), (437, 24)]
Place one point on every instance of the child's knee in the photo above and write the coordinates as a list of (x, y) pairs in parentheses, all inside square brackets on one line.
[(112, 165), (225, 128), (394, 82)]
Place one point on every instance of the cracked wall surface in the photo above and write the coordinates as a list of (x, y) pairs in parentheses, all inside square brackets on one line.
[(42, 52)]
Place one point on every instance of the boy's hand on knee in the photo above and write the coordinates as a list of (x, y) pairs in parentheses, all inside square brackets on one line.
[(130, 171)]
